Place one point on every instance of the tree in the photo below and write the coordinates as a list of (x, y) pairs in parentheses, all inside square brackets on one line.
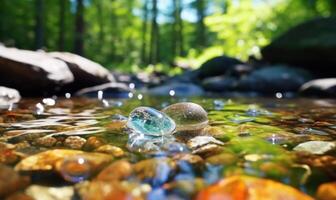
[(154, 43), (61, 31), (144, 32), (39, 24), (79, 28), (200, 30), (177, 29)]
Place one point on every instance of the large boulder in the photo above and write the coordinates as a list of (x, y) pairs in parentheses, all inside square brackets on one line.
[(325, 87), (41, 74), (311, 45), (218, 66), (86, 72), (271, 79), (32, 73)]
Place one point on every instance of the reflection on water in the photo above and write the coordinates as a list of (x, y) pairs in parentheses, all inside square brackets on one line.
[(256, 137)]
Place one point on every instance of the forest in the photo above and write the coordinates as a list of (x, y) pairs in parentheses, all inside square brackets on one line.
[(153, 35)]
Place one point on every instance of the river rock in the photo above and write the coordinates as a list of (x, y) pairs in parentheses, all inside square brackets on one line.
[(32, 73), (326, 191), (271, 79), (117, 171), (53, 160), (248, 188), (102, 190), (39, 192), (155, 170), (11, 181), (310, 45), (110, 149), (219, 83), (74, 142), (86, 72), (177, 89), (8, 96), (218, 66), (320, 88), (315, 147), (188, 116), (109, 90)]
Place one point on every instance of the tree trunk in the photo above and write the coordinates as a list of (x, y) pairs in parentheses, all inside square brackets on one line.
[(100, 22), (200, 36), (39, 24), (61, 30), (144, 33), (79, 28), (332, 7), (177, 41), (155, 48)]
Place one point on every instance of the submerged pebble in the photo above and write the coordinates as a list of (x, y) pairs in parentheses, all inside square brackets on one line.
[(74, 142), (149, 121), (316, 147), (187, 116)]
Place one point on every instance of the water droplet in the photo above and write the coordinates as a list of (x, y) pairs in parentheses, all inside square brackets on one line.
[(140, 96), (67, 95), (171, 93), (49, 101), (10, 107), (100, 95), (218, 104), (175, 147), (131, 85), (39, 109), (75, 169), (130, 95), (105, 103), (276, 139), (149, 121), (278, 95)]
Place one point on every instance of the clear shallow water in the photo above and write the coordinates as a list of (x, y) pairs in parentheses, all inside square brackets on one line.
[(253, 136)]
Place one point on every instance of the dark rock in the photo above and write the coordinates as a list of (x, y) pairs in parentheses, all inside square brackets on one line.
[(276, 78), (11, 181), (320, 87), (110, 90), (311, 45), (8, 96), (186, 77), (86, 72), (32, 73), (219, 83), (177, 89), (218, 66)]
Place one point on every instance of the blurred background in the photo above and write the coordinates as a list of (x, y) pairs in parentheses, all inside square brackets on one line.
[(171, 37), (133, 34)]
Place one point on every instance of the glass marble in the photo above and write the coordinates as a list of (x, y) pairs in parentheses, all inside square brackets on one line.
[(149, 121), (187, 116), (75, 169)]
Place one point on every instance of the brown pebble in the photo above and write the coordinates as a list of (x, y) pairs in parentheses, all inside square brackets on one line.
[(112, 150), (74, 142), (326, 191)]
